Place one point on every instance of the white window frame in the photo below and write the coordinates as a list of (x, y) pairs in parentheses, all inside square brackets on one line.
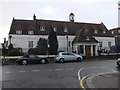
[(55, 29), (30, 44), (65, 30), (42, 28), (30, 32), (112, 32), (95, 31), (109, 44), (104, 32), (87, 38), (118, 31), (18, 31), (86, 30)]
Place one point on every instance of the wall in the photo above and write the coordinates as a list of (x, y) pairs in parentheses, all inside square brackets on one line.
[(105, 41), (22, 41)]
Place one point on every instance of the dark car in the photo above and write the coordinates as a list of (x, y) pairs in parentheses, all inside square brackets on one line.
[(118, 62), (31, 58)]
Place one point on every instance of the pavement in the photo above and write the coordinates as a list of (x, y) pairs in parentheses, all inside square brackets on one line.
[(104, 80)]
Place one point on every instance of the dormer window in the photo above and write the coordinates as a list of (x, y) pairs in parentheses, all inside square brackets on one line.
[(95, 31), (55, 29), (30, 32), (87, 38), (42, 28), (86, 30), (18, 31), (104, 31), (118, 31), (112, 32), (65, 30)]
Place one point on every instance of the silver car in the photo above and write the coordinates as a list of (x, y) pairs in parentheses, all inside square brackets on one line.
[(68, 56), (118, 62)]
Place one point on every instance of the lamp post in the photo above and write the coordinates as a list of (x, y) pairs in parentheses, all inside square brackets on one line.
[(67, 42)]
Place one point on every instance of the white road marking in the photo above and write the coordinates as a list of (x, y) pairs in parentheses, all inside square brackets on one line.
[(59, 69), (49, 70), (79, 71), (21, 71), (69, 69), (7, 72), (35, 70)]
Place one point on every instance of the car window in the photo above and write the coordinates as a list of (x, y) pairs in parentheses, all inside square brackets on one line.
[(26, 56), (64, 53), (32, 56), (71, 54)]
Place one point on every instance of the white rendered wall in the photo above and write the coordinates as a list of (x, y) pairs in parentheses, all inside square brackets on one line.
[(22, 41), (119, 14), (105, 41)]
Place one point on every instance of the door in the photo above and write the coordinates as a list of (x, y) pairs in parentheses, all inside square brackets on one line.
[(88, 50), (72, 57)]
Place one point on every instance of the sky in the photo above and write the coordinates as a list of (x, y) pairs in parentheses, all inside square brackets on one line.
[(87, 11)]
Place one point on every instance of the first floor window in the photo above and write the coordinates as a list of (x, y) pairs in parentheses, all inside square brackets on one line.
[(109, 44), (30, 32), (18, 31), (30, 44), (118, 31)]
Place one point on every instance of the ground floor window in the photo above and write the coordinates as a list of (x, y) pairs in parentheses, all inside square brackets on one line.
[(30, 44)]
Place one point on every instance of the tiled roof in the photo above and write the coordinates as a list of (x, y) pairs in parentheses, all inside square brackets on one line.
[(115, 31), (72, 28), (84, 36)]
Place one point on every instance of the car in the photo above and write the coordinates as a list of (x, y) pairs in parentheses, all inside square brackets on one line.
[(68, 56), (118, 62), (31, 58)]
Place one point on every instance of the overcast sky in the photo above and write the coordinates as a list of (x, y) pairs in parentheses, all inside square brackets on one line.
[(89, 11)]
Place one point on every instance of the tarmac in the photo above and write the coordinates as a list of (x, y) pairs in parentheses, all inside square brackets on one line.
[(104, 80)]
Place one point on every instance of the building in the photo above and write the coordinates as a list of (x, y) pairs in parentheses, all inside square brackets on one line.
[(83, 38), (116, 33), (119, 14)]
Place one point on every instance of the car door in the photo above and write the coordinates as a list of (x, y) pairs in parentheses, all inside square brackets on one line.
[(71, 57), (65, 55), (33, 58)]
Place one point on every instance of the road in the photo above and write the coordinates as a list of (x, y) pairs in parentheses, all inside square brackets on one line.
[(53, 75)]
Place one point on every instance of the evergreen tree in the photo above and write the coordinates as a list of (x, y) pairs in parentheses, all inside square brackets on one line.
[(53, 42), (42, 46)]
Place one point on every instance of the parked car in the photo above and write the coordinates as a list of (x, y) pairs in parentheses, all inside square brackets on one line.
[(31, 58), (68, 56), (118, 62)]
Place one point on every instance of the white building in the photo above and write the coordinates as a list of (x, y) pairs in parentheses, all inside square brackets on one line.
[(72, 36), (119, 14)]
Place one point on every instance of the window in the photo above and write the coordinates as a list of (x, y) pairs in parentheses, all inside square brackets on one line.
[(65, 30), (95, 31), (86, 30), (42, 28), (31, 32), (87, 38), (109, 44), (30, 44), (112, 32), (100, 44), (55, 29), (104, 31), (18, 31), (118, 31)]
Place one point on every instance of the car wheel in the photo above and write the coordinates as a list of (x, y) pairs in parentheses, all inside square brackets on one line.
[(61, 60), (43, 61), (79, 59), (24, 62)]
